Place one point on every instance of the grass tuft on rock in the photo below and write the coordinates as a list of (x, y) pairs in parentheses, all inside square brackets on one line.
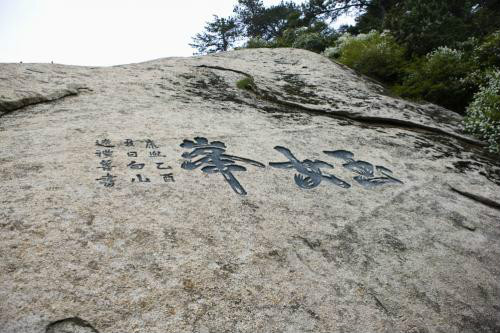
[(246, 84)]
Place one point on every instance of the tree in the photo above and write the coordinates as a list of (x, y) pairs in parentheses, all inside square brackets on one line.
[(246, 12), (219, 35), (420, 25), (485, 20), (269, 23), (374, 16), (423, 25), (333, 9)]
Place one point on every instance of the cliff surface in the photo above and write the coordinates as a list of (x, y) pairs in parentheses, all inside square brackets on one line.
[(159, 197)]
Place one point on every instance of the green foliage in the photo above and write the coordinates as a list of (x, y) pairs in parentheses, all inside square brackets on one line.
[(483, 56), (332, 52), (450, 77), (246, 83), (219, 35), (288, 37), (423, 25), (439, 78), (256, 42), (483, 114), (487, 53), (315, 37), (333, 9), (373, 16), (258, 21), (374, 54), (312, 41), (485, 18)]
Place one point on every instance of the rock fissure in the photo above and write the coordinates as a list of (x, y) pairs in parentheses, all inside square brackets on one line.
[(380, 304), (225, 69), (478, 198)]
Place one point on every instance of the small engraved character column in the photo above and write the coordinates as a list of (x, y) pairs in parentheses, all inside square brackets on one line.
[(105, 152)]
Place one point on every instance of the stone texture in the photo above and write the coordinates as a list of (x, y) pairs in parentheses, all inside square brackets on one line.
[(192, 255)]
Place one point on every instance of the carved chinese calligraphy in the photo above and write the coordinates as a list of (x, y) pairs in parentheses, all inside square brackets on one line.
[(107, 180), (212, 155), (211, 158), (365, 170), (105, 164), (309, 172), (139, 162)]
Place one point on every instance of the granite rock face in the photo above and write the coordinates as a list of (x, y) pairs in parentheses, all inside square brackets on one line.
[(159, 197)]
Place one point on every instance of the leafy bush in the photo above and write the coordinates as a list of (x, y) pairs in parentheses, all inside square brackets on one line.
[(255, 43), (422, 25), (332, 52), (439, 77), (374, 54), (312, 41), (483, 57), (288, 37), (483, 114), (487, 53)]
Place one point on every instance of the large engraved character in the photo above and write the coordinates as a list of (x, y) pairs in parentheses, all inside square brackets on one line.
[(365, 171), (212, 156), (309, 172)]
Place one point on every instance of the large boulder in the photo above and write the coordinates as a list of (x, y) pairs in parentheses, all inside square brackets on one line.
[(264, 190)]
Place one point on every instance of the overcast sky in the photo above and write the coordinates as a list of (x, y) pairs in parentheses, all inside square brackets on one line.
[(103, 32)]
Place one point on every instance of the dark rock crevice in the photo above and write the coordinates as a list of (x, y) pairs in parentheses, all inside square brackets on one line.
[(478, 198), (380, 304), (225, 69)]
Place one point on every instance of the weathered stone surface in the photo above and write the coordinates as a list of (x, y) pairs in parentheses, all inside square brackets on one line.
[(194, 256)]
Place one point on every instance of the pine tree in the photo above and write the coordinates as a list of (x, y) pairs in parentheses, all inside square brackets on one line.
[(219, 35)]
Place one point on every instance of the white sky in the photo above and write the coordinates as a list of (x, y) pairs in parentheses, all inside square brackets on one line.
[(104, 32)]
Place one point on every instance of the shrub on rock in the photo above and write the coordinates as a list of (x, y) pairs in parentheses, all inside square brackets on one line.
[(257, 42), (374, 54), (312, 41), (487, 53), (439, 78), (483, 114)]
